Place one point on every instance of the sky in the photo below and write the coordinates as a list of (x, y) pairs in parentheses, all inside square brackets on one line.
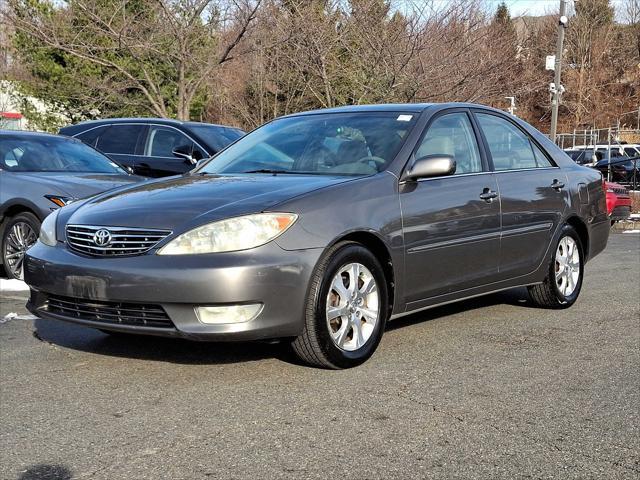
[(528, 7), (536, 7)]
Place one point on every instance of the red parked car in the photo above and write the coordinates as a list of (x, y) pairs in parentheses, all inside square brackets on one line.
[(618, 201)]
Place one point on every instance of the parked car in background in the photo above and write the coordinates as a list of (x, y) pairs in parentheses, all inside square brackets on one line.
[(154, 147), (582, 156), (618, 202), (38, 174), (590, 155), (613, 151), (318, 227), (623, 169)]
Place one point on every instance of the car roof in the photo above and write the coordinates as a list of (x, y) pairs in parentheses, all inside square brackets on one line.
[(395, 107), (145, 120), (32, 134)]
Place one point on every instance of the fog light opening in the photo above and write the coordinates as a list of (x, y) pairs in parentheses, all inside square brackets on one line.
[(228, 314)]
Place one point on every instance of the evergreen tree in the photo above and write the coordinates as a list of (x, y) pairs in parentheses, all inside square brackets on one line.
[(502, 15)]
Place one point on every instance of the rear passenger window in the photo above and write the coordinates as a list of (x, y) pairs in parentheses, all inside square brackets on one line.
[(452, 134), (631, 152), (120, 139), (510, 148)]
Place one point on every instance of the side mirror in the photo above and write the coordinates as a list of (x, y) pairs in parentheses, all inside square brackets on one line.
[(431, 166), (185, 152)]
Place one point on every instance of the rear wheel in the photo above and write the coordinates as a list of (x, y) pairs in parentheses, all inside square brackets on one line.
[(346, 309), (19, 234), (564, 279)]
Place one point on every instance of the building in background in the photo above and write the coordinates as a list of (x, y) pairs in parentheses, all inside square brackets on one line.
[(10, 115)]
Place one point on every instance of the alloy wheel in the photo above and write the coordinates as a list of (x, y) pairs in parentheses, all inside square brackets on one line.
[(352, 306), (567, 266), (20, 238)]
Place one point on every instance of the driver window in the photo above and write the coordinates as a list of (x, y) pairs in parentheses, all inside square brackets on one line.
[(163, 141), (452, 134)]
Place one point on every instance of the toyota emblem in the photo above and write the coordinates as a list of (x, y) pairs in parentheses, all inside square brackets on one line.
[(102, 237)]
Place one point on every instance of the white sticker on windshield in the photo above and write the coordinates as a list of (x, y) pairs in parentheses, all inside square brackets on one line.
[(404, 118)]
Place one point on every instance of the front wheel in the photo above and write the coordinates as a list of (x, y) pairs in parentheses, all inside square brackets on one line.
[(346, 310), (20, 233), (564, 278)]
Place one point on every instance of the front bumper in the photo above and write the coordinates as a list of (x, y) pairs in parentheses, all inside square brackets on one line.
[(269, 275)]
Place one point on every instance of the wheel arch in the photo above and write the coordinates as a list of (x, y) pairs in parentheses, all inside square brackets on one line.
[(379, 248), (582, 231), (14, 208)]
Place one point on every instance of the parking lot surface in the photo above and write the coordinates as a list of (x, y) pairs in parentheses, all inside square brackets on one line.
[(488, 388)]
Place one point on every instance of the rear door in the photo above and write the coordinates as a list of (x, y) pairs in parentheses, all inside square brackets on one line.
[(532, 193), (121, 142), (451, 224)]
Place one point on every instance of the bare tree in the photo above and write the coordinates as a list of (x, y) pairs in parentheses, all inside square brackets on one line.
[(164, 49)]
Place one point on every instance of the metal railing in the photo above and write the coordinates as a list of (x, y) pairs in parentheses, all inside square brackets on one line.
[(608, 138)]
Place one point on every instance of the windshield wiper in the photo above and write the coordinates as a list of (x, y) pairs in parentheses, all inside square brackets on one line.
[(267, 170)]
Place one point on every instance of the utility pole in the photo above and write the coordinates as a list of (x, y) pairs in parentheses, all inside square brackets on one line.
[(556, 87), (512, 105)]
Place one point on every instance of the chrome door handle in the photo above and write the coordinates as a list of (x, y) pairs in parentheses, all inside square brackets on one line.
[(556, 185), (488, 195)]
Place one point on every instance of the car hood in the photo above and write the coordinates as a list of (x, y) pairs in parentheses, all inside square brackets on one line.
[(183, 202), (79, 185)]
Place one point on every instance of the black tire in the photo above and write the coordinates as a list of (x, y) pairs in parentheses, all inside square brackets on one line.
[(25, 217), (547, 294), (315, 346)]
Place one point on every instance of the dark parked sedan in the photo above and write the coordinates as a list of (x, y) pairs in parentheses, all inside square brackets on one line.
[(38, 174), (321, 226), (154, 147), (622, 169)]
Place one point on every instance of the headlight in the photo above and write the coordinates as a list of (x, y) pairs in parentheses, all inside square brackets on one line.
[(232, 234), (48, 229)]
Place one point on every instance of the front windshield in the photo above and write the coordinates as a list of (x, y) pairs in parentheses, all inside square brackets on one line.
[(217, 137), (25, 153), (321, 144)]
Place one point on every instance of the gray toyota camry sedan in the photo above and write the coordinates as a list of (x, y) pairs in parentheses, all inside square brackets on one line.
[(318, 227)]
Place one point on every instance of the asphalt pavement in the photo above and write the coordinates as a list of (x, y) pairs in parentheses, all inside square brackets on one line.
[(488, 388)]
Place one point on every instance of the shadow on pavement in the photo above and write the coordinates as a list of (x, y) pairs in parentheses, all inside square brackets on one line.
[(517, 297), (181, 351), (46, 472), (143, 347)]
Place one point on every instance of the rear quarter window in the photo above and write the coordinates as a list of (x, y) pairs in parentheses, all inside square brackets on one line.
[(91, 136)]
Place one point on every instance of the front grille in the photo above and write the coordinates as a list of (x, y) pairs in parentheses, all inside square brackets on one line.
[(139, 315), (119, 240)]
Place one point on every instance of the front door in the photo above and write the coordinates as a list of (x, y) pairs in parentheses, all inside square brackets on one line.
[(451, 224), (159, 158)]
